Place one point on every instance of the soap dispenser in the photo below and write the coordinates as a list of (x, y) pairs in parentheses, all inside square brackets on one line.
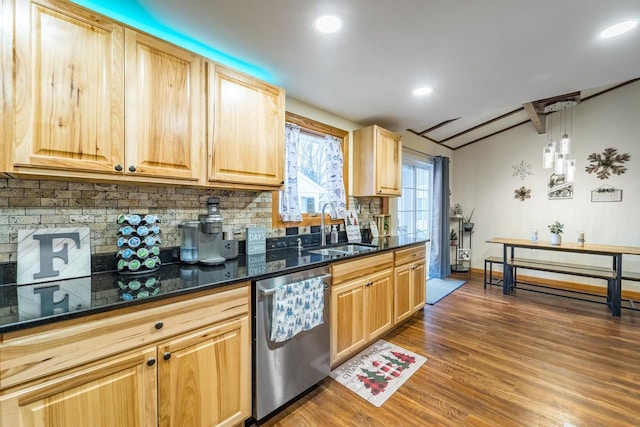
[(334, 234)]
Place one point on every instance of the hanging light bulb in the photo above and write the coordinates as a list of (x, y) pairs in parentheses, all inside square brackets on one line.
[(549, 150), (549, 155), (560, 168), (565, 142), (570, 164)]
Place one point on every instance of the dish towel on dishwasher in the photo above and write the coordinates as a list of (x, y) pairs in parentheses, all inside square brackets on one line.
[(297, 307)]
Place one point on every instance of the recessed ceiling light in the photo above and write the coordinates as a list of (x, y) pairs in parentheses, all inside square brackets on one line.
[(618, 29), (328, 23), (421, 91)]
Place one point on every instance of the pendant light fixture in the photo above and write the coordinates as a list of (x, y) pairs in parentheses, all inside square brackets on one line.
[(565, 141), (557, 156), (549, 151)]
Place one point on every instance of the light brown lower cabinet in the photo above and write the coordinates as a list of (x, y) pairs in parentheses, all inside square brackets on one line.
[(361, 303), (204, 378), (370, 295), (200, 377), (118, 392), (409, 281)]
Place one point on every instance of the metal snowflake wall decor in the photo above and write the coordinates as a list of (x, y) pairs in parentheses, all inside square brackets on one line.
[(522, 193), (605, 164), (522, 169)]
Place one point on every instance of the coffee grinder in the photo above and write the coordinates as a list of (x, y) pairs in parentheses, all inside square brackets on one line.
[(204, 235)]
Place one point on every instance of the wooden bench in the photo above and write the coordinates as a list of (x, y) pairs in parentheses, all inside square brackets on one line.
[(564, 268), (593, 272), (629, 275), (634, 277), (553, 267), (488, 262)]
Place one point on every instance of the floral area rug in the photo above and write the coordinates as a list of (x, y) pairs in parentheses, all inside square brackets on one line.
[(378, 371)]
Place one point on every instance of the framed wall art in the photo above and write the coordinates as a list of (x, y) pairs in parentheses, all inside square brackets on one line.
[(606, 193), (464, 255), (559, 188)]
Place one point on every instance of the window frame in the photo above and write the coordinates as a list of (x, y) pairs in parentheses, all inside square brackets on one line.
[(319, 128)]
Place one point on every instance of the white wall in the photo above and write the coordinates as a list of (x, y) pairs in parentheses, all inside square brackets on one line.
[(298, 107), (417, 143), (484, 180)]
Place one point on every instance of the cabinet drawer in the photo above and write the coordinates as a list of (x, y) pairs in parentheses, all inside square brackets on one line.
[(415, 253), (69, 344), (357, 268)]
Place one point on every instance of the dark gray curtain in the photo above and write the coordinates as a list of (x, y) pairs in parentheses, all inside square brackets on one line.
[(440, 258)]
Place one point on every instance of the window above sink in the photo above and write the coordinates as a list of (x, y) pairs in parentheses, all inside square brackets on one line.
[(311, 204)]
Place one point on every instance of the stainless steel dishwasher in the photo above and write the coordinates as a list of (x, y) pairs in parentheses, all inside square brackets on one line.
[(283, 370)]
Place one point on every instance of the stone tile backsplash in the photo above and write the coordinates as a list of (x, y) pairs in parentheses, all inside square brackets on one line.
[(59, 204)]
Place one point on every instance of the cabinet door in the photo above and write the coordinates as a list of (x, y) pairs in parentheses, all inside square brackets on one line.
[(68, 89), (379, 304), (165, 131), (347, 319), (204, 378), (402, 304), (389, 163), (248, 129), (418, 286), (120, 392), (6, 100), (377, 169)]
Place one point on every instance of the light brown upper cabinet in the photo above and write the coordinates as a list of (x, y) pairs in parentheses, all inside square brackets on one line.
[(377, 162), (165, 130), (246, 130), (73, 116), (68, 110)]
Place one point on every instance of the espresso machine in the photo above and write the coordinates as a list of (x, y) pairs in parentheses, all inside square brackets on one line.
[(202, 239)]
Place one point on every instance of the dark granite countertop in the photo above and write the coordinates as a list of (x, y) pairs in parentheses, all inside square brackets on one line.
[(29, 305)]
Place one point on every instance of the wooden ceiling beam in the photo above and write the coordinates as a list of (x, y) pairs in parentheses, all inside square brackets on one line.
[(541, 104), (539, 120), (439, 125), (422, 135), (481, 125), (536, 113)]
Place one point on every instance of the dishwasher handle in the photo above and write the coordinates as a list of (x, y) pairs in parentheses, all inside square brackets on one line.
[(271, 291)]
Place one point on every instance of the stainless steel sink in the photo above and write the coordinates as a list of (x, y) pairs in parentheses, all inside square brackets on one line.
[(355, 248), (343, 250), (328, 252)]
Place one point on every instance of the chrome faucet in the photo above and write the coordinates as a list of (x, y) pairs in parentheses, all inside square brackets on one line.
[(333, 214)]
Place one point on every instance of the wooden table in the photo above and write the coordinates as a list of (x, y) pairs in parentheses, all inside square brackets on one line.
[(615, 252)]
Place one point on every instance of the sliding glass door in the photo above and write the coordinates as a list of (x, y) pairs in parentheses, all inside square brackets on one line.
[(414, 206)]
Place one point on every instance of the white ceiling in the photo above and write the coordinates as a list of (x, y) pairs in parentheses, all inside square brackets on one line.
[(482, 57)]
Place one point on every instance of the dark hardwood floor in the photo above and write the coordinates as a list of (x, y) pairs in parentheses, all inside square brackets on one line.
[(528, 359)]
